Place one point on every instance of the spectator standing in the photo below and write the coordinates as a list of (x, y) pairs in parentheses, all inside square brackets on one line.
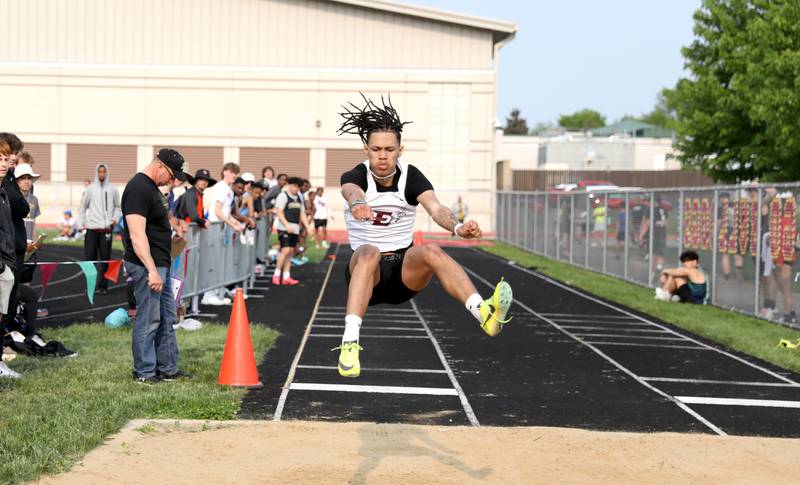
[(98, 214), (19, 210), (148, 241), (271, 196), (191, 207), (8, 257), (460, 209), (25, 179), (321, 215), (221, 201), (268, 177), (290, 215)]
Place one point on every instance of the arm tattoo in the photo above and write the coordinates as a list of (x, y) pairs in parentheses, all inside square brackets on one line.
[(445, 218), (351, 194)]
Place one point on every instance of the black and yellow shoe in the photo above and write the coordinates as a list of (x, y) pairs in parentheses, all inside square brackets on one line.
[(349, 364), (495, 309)]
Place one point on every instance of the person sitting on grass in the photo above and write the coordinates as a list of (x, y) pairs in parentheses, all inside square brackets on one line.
[(67, 227), (687, 283)]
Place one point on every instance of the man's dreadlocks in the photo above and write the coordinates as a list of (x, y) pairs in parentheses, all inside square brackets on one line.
[(371, 118)]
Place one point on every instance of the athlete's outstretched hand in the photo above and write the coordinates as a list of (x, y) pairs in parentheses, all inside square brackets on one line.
[(361, 212), (470, 230)]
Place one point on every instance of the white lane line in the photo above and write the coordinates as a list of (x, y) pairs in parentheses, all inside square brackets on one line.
[(369, 312), (373, 319), (374, 327), (643, 337), (655, 346), (624, 323), (613, 362), (557, 316), (713, 381), (461, 396), (642, 330), (625, 312), (367, 336), (377, 369), (727, 401), (425, 391), (293, 368)]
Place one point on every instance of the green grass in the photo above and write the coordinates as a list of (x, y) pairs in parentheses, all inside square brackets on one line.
[(315, 255), (62, 408), (52, 232), (752, 336)]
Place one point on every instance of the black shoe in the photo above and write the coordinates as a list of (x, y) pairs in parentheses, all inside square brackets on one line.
[(173, 377), (147, 380), (790, 318)]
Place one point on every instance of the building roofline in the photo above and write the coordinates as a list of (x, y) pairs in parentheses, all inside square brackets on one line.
[(502, 30)]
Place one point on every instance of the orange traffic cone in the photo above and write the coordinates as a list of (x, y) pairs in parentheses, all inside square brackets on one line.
[(238, 361), (418, 238)]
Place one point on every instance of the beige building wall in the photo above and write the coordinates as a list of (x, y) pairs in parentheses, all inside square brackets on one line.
[(243, 77)]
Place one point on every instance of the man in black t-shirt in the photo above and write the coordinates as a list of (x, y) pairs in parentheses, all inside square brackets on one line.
[(382, 195), (148, 240)]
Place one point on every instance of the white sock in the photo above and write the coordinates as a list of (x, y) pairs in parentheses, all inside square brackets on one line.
[(473, 305), (277, 272), (352, 325), (286, 275)]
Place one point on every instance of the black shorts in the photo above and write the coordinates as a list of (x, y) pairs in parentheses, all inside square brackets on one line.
[(287, 240), (390, 288), (685, 295), (320, 223)]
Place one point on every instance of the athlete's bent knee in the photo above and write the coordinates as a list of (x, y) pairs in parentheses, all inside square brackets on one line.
[(433, 253), (368, 255)]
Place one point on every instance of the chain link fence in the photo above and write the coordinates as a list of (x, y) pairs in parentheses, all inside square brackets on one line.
[(746, 236)]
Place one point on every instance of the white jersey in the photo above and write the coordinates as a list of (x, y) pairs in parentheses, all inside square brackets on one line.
[(320, 207), (392, 224)]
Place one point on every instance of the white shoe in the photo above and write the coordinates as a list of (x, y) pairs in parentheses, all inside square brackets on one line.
[(6, 372), (663, 295), (215, 301), (325, 244)]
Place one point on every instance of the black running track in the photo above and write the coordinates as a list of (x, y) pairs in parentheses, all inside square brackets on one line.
[(567, 359)]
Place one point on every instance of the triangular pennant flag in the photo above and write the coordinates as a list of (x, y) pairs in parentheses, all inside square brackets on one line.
[(112, 273), (47, 271), (90, 272)]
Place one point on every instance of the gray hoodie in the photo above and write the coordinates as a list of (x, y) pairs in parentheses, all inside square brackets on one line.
[(100, 203)]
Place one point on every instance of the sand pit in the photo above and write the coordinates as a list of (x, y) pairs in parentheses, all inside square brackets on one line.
[(317, 452)]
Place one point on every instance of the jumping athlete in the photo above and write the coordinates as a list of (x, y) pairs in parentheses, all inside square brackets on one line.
[(382, 195)]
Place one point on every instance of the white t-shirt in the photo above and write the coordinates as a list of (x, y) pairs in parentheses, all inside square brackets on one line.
[(71, 222), (221, 192), (270, 183), (320, 207)]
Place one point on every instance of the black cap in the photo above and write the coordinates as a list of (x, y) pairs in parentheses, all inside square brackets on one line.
[(174, 161), (204, 174)]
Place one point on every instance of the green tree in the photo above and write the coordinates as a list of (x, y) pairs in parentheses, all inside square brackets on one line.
[(737, 114), (585, 119), (515, 124), (661, 115)]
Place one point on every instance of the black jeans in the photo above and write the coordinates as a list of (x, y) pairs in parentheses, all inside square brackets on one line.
[(97, 246)]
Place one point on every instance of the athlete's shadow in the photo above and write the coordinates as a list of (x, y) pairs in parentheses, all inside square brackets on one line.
[(384, 441)]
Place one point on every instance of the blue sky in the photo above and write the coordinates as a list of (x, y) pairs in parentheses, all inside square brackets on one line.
[(613, 56)]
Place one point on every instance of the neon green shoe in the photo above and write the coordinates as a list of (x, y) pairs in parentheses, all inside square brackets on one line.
[(349, 365), (495, 308)]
